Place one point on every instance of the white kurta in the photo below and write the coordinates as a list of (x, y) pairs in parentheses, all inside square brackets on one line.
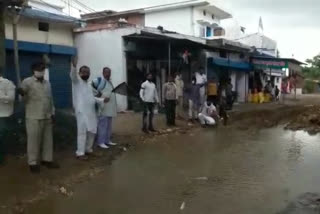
[(84, 102)]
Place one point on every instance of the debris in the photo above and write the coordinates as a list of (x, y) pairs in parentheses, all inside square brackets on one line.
[(169, 130), (183, 205), (64, 191), (201, 178), (124, 149)]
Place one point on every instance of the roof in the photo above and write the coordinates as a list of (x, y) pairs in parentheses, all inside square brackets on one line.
[(295, 61), (49, 17), (228, 44), (170, 35), (190, 3)]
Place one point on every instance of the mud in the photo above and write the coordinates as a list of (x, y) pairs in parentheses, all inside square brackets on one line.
[(308, 120), (200, 170)]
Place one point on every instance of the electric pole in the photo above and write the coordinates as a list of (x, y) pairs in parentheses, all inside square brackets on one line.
[(2, 40), (4, 4)]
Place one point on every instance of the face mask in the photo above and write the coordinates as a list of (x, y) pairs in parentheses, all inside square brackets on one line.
[(85, 77), (39, 74)]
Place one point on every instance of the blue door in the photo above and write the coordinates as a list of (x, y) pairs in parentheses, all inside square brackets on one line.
[(60, 80)]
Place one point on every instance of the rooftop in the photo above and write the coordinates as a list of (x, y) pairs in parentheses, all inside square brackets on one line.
[(190, 3)]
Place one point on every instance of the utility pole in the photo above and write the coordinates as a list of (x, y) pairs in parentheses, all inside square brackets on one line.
[(2, 39), (15, 21)]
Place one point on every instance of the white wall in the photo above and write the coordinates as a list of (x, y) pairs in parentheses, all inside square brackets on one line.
[(101, 49), (242, 86), (58, 34), (198, 15), (178, 20)]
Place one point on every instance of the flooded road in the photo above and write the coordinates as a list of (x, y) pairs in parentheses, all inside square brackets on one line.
[(223, 171)]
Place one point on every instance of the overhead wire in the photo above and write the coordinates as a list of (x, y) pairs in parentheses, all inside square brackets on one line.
[(74, 7), (84, 5)]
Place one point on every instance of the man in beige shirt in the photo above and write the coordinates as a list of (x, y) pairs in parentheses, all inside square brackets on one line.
[(36, 92)]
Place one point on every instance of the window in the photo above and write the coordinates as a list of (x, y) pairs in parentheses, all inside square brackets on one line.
[(223, 54), (277, 79), (43, 26), (202, 32), (204, 13), (209, 32)]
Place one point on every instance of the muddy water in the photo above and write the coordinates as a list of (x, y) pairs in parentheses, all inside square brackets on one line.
[(209, 171)]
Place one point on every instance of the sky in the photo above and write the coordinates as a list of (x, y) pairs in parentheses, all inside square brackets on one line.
[(294, 24)]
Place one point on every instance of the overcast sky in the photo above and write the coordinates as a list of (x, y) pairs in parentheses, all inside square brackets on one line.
[(294, 24)]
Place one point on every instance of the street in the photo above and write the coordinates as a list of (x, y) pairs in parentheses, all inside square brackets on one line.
[(204, 171)]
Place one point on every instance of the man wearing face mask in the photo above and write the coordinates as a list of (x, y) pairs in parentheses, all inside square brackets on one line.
[(37, 95), (84, 104)]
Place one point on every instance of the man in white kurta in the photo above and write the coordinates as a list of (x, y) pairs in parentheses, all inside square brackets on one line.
[(208, 112), (84, 104), (201, 80)]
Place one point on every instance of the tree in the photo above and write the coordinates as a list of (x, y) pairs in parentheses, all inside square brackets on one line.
[(312, 71)]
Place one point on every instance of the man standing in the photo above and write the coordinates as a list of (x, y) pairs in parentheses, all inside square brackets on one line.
[(180, 86), (149, 96), (108, 110), (201, 80), (213, 91), (7, 95), (37, 95), (207, 115), (84, 104), (194, 100), (170, 97)]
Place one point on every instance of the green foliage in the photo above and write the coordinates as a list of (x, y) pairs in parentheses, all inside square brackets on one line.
[(309, 87), (313, 70)]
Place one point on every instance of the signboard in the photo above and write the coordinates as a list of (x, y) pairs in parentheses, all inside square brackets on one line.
[(267, 64)]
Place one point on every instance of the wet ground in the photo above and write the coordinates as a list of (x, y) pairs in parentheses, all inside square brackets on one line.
[(223, 171)]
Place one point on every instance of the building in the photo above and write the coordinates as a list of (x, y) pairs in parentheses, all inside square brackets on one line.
[(195, 20), (43, 33), (286, 73), (261, 43), (131, 52), (193, 17)]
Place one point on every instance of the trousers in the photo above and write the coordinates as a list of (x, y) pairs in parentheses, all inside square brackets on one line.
[(39, 134), (85, 138), (206, 120), (148, 108), (3, 132), (193, 110), (179, 107), (104, 130), (171, 112)]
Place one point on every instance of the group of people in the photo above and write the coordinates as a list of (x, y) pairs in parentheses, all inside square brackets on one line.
[(94, 103), (95, 107), (204, 99)]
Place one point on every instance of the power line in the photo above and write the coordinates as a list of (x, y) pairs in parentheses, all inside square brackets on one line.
[(70, 5), (84, 5)]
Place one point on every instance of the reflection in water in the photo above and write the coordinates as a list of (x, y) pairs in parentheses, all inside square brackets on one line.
[(241, 172)]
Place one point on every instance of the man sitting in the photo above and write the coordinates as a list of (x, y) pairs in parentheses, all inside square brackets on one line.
[(208, 114)]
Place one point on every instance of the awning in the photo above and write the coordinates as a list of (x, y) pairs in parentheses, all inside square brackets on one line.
[(244, 66)]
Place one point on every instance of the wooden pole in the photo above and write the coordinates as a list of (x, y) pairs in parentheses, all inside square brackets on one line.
[(2, 40), (15, 46), (169, 58)]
